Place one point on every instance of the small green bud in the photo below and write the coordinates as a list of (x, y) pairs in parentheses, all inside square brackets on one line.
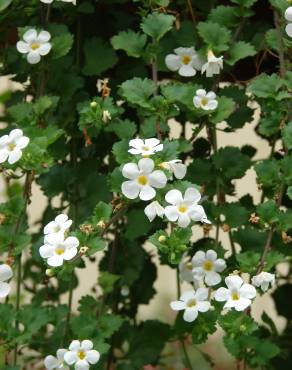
[(93, 104), (242, 328), (162, 239), (182, 247), (50, 272)]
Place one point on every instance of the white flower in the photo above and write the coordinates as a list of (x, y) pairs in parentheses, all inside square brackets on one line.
[(185, 60), (145, 148), (204, 100), (101, 84), (213, 65), (56, 363), (237, 295), (288, 16), (206, 266), (34, 45), (64, 1), (176, 167), (57, 249), (59, 225), (106, 116), (11, 146), (143, 179), (81, 354), (185, 269), (5, 274), (192, 302), (154, 209), (184, 209), (263, 280)]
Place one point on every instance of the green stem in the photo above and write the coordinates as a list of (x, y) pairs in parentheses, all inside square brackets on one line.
[(70, 301), (17, 304)]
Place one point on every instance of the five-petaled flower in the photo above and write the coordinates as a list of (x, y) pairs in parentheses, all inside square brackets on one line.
[(142, 179), (263, 280), (237, 295), (192, 302), (185, 60), (207, 266), (213, 64), (11, 146), (81, 354), (5, 274), (204, 100), (60, 225), (154, 209), (64, 1), (57, 249), (34, 45), (184, 209), (56, 363), (145, 147), (185, 269), (176, 167)]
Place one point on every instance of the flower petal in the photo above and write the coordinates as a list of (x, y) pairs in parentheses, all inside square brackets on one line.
[(288, 29), (201, 294), (14, 156), (288, 14), (203, 306), (71, 356), (147, 193), (190, 314), (171, 213), (75, 345), (192, 195), (174, 197), (51, 363), (30, 35), (44, 36), (86, 345), (199, 258), (212, 104), (22, 47), (92, 356), (201, 93), (177, 305), (44, 49), (46, 251), (222, 294), (55, 261), (33, 57), (211, 255), (189, 294), (173, 62), (212, 278), (242, 304), (136, 143), (158, 179), (233, 282), (60, 353), (81, 365), (152, 142), (70, 253), (6, 272), (3, 155), (4, 289), (219, 265), (130, 171), (146, 165), (184, 220), (22, 142), (187, 70), (130, 189), (247, 291), (71, 242)]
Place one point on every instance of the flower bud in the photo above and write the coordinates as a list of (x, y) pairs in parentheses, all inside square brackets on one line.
[(125, 291), (242, 328), (93, 104), (50, 272), (162, 238), (2, 218), (182, 247), (101, 224)]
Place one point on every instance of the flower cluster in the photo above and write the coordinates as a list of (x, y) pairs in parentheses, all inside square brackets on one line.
[(288, 16), (6, 273), (147, 176), (57, 246), (205, 268), (11, 146), (79, 354), (187, 62)]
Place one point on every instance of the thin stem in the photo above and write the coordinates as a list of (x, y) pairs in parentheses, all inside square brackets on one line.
[(17, 304), (69, 313), (280, 44), (191, 10)]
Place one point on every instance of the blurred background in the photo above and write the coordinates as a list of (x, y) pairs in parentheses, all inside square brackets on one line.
[(166, 282)]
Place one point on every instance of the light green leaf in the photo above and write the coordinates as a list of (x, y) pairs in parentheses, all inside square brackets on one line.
[(4, 4), (265, 86), (240, 50), (157, 25), (287, 135), (216, 37), (225, 108), (245, 3), (138, 91), (131, 42)]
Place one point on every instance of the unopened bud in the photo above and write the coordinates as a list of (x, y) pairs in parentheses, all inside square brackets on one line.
[(86, 229), (83, 249), (93, 104), (254, 219), (162, 238), (182, 247), (50, 272), (2, 218), (242, 328), (125, 291), (225, 228)]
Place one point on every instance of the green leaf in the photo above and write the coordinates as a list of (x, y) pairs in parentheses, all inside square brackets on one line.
[(289, 192), (245, 3), (287, 135), (224, 15), (216, 37), (157, 25), (272, 39), (4, 4), (102, 211), (182, 93), (268, 172), (107, 281), (133, 43), (268, 212), (124, 129), (138, 91), (231, 162), (248, 261), (235, 214), (204, 325), (240, 50), (99, 57), (236, 324), (226, 107), (265, 86)]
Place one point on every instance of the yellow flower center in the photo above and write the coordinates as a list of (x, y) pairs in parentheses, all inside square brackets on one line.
[(182, 208), (81, 355), (145, 148), (235, 296), (60, 251), (189, 266), (11, 146), (204, 101), (186, 59), (35, 45), (208, 265), (142, 180), (191, 303)]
